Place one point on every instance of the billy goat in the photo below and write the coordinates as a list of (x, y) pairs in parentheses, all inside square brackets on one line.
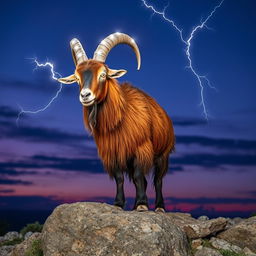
[(132, 132)]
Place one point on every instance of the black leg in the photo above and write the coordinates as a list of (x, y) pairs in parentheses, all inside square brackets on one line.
[(146, 184), (120, 198), (161, 167), (159, 196), (140, 183)]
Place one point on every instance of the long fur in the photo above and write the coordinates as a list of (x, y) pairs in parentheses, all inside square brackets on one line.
[(131, 128)]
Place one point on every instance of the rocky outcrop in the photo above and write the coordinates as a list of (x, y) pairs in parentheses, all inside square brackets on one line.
[(23, 248), (198, 228), (10, 236), (224, 245), (97, 229), (206, 251), (6, 250), (242, 234), (101, 229)]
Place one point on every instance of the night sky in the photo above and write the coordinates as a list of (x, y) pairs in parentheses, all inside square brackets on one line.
[(49, 158)]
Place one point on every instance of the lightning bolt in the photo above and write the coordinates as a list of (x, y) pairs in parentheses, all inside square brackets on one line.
[(55, 75), (188, 42)]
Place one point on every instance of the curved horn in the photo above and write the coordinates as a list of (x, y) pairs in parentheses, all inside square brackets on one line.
[(78, 52), (111, 41)]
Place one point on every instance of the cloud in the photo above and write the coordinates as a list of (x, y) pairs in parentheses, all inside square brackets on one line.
[(212, 213), (175, 168), (9, 129), (210, 200), (7, 191), (8, 112), (251, 192), (73, 164), (188, 121), (14, 182), (214, 160), (49, 162), (17, 164), (40, 84), (42, 134), (9, 172), (28, 202), (221, 143), (94, 165)]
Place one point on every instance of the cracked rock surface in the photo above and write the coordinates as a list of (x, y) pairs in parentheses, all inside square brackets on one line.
[(101, 229), (198, 228), (242, 234)]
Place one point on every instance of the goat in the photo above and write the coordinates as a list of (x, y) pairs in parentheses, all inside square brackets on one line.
[(132, 132)]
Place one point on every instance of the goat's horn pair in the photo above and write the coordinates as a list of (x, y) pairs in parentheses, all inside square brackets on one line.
[(104, 48)]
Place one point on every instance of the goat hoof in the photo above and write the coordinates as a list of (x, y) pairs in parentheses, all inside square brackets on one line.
[(142, 208), (158, 209)]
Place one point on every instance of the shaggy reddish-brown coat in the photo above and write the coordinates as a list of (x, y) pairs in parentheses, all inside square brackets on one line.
[(130, 125)]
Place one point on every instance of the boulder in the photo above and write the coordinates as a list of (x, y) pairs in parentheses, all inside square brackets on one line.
[(10, 236), (242, 234), (198, 228), (5, 250), (248, 252), (205, 251), (195, 244), (101, 229), (224, 245), (22, 248), (203, 218), (28, 234), (232, 222)]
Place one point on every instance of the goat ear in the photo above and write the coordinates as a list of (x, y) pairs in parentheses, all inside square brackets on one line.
[(68, 80), (113, 73)]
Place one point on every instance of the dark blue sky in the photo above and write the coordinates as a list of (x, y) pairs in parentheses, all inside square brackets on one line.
[(48, 147)]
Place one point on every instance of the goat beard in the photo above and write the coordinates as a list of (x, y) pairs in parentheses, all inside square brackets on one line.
[(92, 115)]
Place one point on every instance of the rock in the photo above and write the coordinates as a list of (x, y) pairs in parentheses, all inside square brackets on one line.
[(222, 244), (248, 252), (232, 222), (196, 243), (205, 251), (203, 218), (10, 236), (101, 229), (242, 234), (22, 248), (5, 250), (237, 220), (205, 228), (28, 234), (198, 229)]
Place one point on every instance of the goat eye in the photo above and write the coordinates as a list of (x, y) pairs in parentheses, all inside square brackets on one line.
[(103, 75)]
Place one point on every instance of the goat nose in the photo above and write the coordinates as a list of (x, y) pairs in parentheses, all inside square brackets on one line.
[(87, 94)]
